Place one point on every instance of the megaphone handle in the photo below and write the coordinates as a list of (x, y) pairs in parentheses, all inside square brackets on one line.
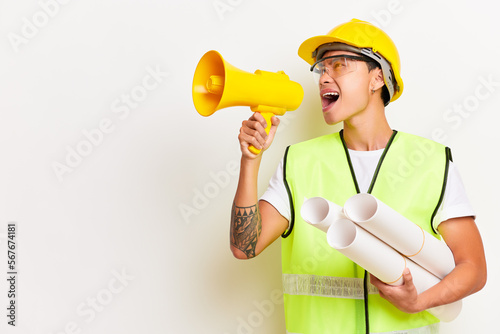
[(267, 116)]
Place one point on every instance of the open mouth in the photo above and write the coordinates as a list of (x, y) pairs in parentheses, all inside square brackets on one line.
[(328, 99)]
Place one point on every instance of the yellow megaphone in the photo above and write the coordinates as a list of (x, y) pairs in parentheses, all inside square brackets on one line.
[(217, 85)]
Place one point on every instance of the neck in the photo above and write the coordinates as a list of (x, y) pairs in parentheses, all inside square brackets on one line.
[(367, 132)]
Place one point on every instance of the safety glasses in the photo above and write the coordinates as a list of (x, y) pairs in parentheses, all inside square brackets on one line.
[(335, 66)]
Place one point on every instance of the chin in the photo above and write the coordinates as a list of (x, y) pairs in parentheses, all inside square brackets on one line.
[(331, 120)]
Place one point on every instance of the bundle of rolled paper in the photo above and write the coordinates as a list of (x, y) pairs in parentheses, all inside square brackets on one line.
[(384, 243)]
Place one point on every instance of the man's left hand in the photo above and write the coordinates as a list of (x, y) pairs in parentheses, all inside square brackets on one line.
[(404, 297)]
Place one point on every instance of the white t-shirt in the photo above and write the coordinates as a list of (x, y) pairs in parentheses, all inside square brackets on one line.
[(455, 203)]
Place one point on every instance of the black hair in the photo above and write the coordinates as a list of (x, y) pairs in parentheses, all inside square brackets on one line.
[(386, 97)]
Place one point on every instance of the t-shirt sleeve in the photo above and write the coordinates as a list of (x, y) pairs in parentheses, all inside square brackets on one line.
[(276, 193), (455, 203)]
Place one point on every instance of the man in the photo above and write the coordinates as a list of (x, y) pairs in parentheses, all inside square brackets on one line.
[(358, 71)]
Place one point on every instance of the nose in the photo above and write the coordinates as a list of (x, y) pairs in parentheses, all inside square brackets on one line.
[(325, 78)]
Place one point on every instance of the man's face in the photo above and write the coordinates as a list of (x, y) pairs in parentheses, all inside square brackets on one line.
[(344, 87)]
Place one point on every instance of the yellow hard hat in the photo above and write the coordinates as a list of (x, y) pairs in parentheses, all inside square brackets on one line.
[(366, 39)]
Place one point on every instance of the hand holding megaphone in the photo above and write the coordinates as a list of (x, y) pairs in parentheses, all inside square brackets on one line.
[(217, 85), (257, 133)]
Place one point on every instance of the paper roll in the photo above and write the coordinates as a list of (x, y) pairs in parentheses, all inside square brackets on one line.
[(400, 233), (320, 212), (367, 251), (384, 262)]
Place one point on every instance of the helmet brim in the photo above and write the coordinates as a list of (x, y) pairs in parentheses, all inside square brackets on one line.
[(308, 48)]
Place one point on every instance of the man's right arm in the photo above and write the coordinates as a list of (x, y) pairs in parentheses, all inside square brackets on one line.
[(254, 224)]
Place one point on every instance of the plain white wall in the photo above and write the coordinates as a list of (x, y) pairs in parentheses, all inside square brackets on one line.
[(130, 233)]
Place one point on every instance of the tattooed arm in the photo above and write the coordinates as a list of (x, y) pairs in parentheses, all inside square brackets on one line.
[(246, 226), (254, 225)]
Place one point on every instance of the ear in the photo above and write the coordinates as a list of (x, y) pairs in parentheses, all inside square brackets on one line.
[(377, 80)]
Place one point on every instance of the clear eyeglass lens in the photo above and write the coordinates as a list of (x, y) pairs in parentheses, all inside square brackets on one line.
[(334, 67)]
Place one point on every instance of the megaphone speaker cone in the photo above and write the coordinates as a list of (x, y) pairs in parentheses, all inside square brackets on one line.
[(208, 83)]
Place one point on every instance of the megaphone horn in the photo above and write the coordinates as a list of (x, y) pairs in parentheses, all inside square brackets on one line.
[(217, 85)]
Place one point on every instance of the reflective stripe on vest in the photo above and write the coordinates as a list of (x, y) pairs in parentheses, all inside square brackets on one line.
[(431, 329), (325, 286)]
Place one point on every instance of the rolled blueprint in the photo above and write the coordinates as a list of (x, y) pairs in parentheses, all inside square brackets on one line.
[(400, 233), (384, 262), (369, 252), (320, 212)]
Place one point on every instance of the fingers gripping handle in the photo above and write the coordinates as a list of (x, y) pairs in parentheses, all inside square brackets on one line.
[(267, 116)]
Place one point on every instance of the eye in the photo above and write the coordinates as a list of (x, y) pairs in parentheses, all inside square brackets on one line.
[(339, 65)]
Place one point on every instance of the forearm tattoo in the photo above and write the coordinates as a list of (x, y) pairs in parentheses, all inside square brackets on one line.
[(246, 225)]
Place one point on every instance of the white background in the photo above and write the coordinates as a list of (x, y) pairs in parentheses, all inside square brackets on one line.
[(149, 201)]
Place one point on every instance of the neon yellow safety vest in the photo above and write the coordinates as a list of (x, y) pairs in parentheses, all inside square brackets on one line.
[(324, 291)]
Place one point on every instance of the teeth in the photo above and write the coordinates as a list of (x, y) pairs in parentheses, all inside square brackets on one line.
[(331, 96)]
